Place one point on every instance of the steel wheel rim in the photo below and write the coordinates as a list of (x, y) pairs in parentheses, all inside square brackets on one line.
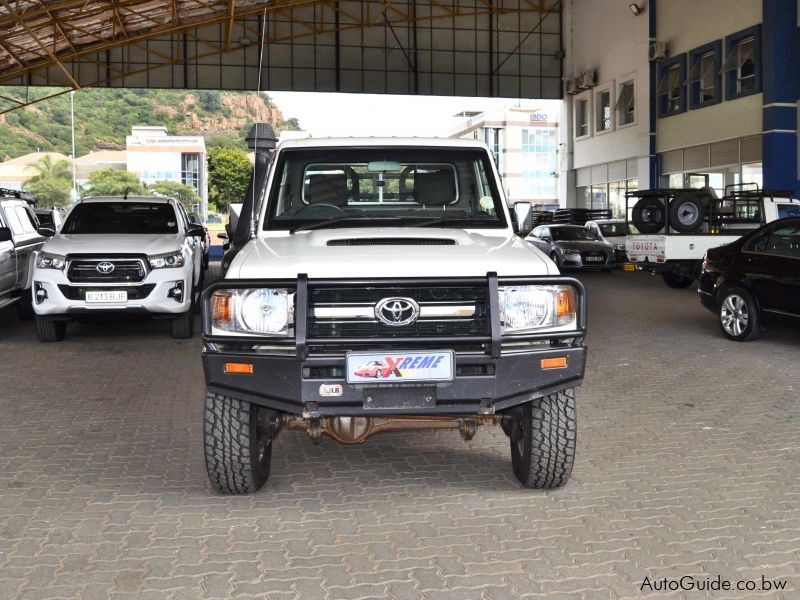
[(734, 315), (688, 214)]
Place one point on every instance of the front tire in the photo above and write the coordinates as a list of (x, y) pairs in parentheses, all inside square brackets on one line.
[(48, 330), (738, 315), (543, 441), (238, 444), (676, 281), (25, 306)]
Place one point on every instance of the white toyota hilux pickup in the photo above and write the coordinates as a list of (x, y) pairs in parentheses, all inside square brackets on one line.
[(384, 289), (115, 256)]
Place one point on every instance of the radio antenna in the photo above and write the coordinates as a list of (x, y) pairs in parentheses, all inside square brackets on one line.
[(257, 209)]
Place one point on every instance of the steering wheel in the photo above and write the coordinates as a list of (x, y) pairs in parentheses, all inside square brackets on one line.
[(328, 211)]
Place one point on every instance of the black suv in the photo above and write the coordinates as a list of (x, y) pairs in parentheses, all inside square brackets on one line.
[(754, 280)]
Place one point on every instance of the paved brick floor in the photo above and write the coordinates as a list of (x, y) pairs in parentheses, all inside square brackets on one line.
[(688, 464)]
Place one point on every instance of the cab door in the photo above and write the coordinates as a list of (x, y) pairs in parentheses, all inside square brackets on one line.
[(772, 265), (8, 262), (27, 240)]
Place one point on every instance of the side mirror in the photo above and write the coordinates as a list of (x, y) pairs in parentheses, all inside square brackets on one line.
[(5, 234), (222, 236), (195, 230), (46, 231), (523, 218), (547, 239)]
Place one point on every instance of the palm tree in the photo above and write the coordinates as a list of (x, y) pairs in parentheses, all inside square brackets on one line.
[(51, 182), (47, 168)]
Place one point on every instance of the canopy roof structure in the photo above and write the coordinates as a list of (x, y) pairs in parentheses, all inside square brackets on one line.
[(444, 47)]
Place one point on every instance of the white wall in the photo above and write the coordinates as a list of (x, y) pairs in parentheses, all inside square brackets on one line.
[(723, 121), (605, 36), (687, 24)]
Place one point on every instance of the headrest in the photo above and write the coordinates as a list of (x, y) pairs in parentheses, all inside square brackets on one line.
[(327, 188), (435, 188)]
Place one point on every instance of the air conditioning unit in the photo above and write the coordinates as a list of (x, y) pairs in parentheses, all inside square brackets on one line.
[(571, 86), (657, 51), (588, 80)]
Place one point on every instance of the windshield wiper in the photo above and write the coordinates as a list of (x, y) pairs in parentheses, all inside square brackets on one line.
[(334, 220)]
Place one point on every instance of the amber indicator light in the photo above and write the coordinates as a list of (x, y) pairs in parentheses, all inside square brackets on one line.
[(554, 363), (241, 368)]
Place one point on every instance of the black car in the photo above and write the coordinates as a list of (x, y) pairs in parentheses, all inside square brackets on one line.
[(754, 280)]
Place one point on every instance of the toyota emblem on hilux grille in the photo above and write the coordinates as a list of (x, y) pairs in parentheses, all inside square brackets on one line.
[(397, 311), (105, 268)]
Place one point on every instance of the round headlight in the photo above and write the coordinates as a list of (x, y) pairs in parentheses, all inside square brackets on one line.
[(526, 307), (265, 311)]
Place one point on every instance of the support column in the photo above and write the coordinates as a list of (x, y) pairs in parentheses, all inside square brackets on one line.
[(781, 85)]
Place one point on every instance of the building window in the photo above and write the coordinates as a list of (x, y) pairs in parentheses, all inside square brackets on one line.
[(704, 75), (603, 107), (539, 155), (671, 90), (190, 171), (581, 117), (491, 136), (743, 63), (626, 106)]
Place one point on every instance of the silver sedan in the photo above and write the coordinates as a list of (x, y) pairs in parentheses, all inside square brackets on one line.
[(573, 247)]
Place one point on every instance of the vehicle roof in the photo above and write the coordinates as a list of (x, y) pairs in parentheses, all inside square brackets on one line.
[(602, 221), (563, 225), (153, 199), (358, 142)]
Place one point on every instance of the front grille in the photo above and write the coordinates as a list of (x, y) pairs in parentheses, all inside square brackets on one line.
[(392, 242), (135, 292), (126, 270), (468, 306)]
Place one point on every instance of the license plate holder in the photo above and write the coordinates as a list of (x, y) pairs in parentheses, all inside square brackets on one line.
[(400, 397), (398, 367), (106, 297), (594, 259)]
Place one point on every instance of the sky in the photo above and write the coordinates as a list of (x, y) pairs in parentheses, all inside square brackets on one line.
[(325, 115)]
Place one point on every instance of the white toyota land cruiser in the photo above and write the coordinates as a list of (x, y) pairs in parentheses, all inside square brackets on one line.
[(384, 289), (115, 256)]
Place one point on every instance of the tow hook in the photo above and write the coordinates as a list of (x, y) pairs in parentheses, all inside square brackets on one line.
[(467, 428)]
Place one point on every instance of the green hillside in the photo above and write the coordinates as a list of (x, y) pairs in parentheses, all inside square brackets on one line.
[(103, 117)]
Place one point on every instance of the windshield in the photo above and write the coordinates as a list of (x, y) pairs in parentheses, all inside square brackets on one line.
[(572, 234), (368, 187), (121, 217), (614, 229)]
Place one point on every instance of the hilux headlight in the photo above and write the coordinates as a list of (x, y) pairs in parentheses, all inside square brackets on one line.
[(262, 311), (166, 260), (45, 260), (528, 308)]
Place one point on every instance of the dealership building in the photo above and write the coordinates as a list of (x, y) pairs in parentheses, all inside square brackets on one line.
[(678, 94)]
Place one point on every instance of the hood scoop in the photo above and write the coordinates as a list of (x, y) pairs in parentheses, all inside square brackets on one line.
[(392, 241)]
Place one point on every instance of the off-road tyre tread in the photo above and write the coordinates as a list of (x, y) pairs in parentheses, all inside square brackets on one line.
[(181, 327), (229, 445), (49, 330), (553, 426)]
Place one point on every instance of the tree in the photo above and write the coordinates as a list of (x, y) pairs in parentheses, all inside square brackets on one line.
[(114, 182), (177, 191), (51, 182), (229, 172)]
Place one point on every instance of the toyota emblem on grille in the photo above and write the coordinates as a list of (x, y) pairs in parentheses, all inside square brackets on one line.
[(105, 268), (397, 311)]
